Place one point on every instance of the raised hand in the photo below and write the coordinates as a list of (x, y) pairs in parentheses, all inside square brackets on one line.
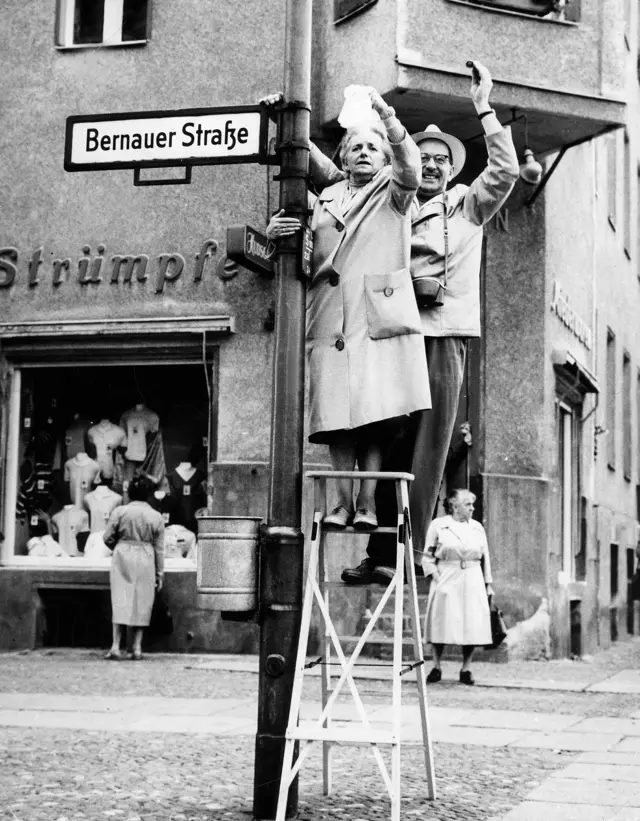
[(481, 85)]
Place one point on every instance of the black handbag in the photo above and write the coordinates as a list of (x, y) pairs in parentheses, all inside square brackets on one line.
[(161, 618), (498, 627)]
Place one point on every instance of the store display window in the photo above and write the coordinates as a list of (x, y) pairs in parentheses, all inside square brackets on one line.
[(84, 433)]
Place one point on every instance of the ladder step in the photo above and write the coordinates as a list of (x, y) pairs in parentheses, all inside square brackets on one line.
[(357, 531), (342, 735), (373, 640)]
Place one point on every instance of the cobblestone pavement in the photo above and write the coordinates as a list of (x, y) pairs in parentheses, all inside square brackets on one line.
[(65, 775), (84, 672)]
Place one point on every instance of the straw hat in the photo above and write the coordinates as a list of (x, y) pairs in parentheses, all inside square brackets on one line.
[(457, 149)]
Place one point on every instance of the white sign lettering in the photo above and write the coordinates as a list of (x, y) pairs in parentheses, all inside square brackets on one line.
[(560, 306)]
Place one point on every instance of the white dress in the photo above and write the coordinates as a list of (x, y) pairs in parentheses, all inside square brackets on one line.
[(458, 608)]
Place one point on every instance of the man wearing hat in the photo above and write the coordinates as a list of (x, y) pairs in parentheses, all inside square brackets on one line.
[(446, 250)]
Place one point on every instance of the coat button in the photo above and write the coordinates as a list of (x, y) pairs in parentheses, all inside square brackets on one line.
[(334, 280), (339, 227), (340, 344), (388, 291)]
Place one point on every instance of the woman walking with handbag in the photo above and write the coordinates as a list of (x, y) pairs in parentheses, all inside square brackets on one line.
[(457, 558)]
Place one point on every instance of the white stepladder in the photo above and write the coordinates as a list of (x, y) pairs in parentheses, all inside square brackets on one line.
[(317, 589)]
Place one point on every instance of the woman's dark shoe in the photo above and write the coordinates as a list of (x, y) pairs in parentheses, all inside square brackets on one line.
[(466, 677), (136, 656), (434, 676)]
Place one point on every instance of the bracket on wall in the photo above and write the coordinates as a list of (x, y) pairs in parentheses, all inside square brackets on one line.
[(186, 180)]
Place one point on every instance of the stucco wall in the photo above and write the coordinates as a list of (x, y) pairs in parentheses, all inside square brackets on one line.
[(522, 50)]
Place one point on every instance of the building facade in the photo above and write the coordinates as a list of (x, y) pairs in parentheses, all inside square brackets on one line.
[(114, 296)]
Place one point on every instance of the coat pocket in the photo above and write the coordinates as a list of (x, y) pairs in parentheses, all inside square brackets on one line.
[(391, 305)]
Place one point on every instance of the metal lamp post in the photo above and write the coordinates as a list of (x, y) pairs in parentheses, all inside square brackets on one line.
[(282, 551)]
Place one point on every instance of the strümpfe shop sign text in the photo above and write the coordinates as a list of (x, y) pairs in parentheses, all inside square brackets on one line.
[(91, 269)]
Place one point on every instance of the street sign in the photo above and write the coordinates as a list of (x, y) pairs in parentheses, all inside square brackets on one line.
[(250, 248), (156, 139)]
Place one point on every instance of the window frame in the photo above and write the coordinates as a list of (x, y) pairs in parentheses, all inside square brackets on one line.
[(627, 435), (612, 179), (610, 398), (64, 28), (574, 9)]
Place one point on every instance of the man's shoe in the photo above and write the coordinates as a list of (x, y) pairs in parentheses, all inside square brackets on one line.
[(466, 677), (382, 574), (360, 574), (365, 519), (339, 517), (434, 676)]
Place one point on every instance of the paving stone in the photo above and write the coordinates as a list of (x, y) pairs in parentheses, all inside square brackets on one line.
[(604, 757), (626, 681), (592, 793), (544, 811), (623, 726), (506, 719), (601, 772), (627, 814), (568, 741), (631, 744), (486, 737)]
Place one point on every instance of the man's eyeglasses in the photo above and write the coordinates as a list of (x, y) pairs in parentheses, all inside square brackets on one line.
[(439, 159)]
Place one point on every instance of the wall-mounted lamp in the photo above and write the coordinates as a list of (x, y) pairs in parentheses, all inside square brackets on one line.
[(530, 170)]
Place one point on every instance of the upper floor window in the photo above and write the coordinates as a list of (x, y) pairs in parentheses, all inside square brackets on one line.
[(343, 9), (566, 10), (101, 22)]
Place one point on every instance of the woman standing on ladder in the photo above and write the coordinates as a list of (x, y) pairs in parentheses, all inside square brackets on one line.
[(366, 361)]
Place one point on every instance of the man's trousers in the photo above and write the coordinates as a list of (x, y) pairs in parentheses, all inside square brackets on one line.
[(422, 448)]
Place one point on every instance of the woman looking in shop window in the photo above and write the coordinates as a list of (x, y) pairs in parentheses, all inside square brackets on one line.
[(365, 357), (135, 533)]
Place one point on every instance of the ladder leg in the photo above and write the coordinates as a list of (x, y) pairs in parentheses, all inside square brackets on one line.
[(285, 779), (301, 658), (418, 647), (325, 676), (396, 685)]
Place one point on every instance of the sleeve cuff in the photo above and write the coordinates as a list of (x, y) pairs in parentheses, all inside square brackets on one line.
[(491, 124), (395, 130)]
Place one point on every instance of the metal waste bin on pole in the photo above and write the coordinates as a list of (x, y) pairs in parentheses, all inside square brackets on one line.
[(228, 562)]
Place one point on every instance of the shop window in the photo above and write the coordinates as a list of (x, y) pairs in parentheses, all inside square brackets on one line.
[(83, 433), (102, 22), (610, 423), (559, 10), (626, 416), (343, 9)]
